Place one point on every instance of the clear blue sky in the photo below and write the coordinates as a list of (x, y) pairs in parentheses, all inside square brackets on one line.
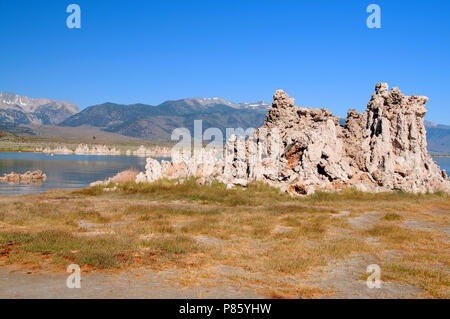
[(319, 52)]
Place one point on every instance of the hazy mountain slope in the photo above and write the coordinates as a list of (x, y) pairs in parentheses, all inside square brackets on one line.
[(9, 137), (158, 122), (438, 138), (108, 114), (16, 109), (17, 128)]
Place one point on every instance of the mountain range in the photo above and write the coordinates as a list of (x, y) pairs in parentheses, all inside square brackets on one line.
[(20, 114), (16, 109), (158, 122)]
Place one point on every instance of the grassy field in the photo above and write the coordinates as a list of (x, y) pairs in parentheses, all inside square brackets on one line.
[(255, 236)]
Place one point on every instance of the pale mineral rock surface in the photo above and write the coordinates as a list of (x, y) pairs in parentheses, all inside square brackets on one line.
[(301, 150), (27, 178), (84, 149), (128, 175)]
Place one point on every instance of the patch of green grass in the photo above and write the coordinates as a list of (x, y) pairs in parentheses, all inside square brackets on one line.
[(340, 248), (173, 245), (160, 225), (392, 217), (309, 226), (354, 194), (101, 252), (431, 256), (89, 191), (293, 221), (255, 194), (203, 225), (154, 210), (298, 255), (51, 214), (93, 216), (434, 281), (396, 234), (296, 262)]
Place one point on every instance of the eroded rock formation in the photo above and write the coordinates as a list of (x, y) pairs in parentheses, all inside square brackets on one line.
[(301, 149), (29, 177), (203, 163)]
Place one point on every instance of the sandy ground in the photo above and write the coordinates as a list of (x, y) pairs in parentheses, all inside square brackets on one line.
[(18, 283)]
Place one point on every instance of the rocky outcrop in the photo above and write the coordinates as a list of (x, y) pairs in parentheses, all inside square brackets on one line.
[(156, 151), (83, 149), (388, 144), (301, 149), (27, 178), (58, 150), (202, 163), (128, 175)]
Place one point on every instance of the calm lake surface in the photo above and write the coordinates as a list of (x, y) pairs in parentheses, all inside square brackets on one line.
[(77, 171), (63, 171), (444, 163)]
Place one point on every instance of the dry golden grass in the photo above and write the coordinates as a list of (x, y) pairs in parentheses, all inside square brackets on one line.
[(270, 239)]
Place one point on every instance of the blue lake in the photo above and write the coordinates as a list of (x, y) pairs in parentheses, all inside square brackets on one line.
[(63, 171), (444, 163)]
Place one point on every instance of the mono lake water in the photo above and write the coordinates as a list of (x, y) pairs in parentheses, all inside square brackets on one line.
[(63, 171), (78, 171), (444, 163)]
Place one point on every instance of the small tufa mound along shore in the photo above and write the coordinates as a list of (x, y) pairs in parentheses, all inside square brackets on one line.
[(128, 175), (27, 178), (307, 149), (84, 149)]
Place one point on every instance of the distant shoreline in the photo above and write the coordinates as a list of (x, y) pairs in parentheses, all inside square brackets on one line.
[(87, 154)]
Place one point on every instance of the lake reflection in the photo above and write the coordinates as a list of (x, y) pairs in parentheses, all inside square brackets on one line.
[(63, 171)]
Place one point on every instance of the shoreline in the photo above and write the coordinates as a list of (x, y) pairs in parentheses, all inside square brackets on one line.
[(98, 150), (73, 153)]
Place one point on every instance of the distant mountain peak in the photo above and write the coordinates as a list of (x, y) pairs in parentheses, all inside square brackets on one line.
[(429, 124), (19, 109)]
